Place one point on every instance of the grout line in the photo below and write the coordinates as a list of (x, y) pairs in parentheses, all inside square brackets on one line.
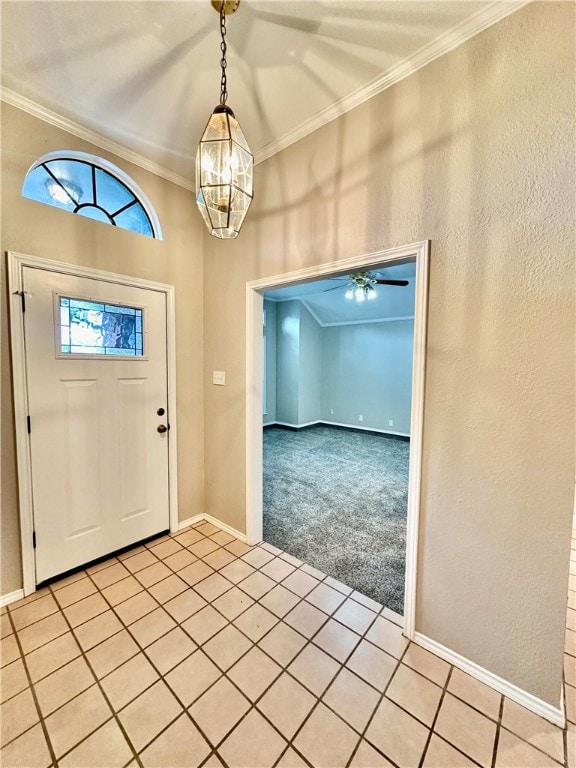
[(436, 715)]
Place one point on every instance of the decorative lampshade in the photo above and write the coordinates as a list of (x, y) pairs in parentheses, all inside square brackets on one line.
[(224, 170)]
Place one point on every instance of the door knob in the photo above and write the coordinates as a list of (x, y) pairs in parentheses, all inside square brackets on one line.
[(162, 428)]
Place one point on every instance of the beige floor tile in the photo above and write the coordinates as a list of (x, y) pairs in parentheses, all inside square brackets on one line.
[(316, 572), (257, 557), (74, 721), (28, 750), (109, 576), (17, 715), (257, 585), (286, 704), (291, 559), (415, 693), (394, 617), (131, 553), (441, 755), (346, 590), (102, 565), (94, 631), (314, 669), (569, 670), (10, 650), (355, 616), (136, 607), (337, 640), (192, 677), (149, 714), (85, 609), (271, 548), (222, 538), (325, 598), (149, 628), (140, 561), (204, 624), (13, 680), (233, 603), (42, 592), (219, 558), (170, 650), (219, 709), (122, 590), (571, 744), (300, 583), (166, 548), (207, 529), (33, 612), (5, 625), (367, 757), (325, 740), (280, 601), (466, 729), (41, 632), (153, 574), (113, 652), (181, 745), (189, 537), (168, 588), (128, 681), (106, 747), (236, 571), (185, 605), (66, 580), (306, 619), (539, 732), (227, 647), (277, 568), (180, 560), (387, 636), (397, 734), (78, 590), (51, 656), (571, 618), (291, 759), (238, 548), (372, 664), (352, 699), (203, 548), (514, 752), (64, 684), (254, 673), (570, 703), (253, 743), (212, 587), (196, 572), (366, 601), (256, 622), (427, 664), (282, 643), (475, 693), (570, 642)]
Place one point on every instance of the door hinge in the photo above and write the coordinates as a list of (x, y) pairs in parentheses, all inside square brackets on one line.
[(34, 539), (28, 424), (22, 295)]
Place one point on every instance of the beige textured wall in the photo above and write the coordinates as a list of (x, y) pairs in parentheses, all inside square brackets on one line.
[(39, 230), (475, 153)]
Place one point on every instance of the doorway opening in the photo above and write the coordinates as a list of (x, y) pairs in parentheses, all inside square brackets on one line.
[(323, 418)]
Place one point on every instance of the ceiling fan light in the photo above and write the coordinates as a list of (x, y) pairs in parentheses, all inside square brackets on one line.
[(370, 293), (359, 294), (349, 293)]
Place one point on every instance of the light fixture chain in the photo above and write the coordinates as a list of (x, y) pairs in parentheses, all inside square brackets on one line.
[(223, 48)]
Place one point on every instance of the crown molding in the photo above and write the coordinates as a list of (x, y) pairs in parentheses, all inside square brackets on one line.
[(86, 134), (445, 43)]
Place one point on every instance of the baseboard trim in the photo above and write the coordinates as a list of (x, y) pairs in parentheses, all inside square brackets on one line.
[(533, 703), (295, 427), (351, 427), (211, 519), (11, 597)]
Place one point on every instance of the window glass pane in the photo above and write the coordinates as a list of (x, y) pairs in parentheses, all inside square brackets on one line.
[(111, 194), (134, 218), (98, 328), (35, 188), (94, 213), (76, 174)]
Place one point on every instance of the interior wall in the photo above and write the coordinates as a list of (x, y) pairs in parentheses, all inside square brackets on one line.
[(475, 153), (310, 368), (287, 361), (40, 230), (269, 415), (367, 371)]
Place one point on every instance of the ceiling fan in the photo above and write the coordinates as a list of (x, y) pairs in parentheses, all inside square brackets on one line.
[(360, 285)]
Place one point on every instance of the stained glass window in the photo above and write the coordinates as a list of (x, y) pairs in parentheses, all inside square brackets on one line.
[(92, 187), (99, 328)]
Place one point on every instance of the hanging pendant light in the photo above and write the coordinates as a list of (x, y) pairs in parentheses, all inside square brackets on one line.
[(224, 163)]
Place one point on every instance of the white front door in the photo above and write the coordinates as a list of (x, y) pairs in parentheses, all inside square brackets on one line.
[(97, 393)]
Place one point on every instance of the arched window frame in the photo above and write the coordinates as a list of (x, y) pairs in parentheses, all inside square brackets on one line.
[(96, 162)]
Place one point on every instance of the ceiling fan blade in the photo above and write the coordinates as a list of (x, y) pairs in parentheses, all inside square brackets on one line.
[(391, 282), (333, 289)]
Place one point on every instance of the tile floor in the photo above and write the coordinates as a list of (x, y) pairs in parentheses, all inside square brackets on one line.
[(197, 650)]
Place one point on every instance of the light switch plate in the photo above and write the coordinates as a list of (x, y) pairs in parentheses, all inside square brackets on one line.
[(219, 377)]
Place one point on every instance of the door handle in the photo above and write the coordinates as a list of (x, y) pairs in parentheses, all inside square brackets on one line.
[(162, 428)]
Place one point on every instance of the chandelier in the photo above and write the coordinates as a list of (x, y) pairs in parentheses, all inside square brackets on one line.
[(224, 163), (361, 286)]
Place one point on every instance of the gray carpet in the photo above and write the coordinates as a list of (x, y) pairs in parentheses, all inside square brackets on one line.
[(337, 499)]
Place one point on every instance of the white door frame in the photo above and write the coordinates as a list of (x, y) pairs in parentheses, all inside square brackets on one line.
[(254, 468), (16, 264)]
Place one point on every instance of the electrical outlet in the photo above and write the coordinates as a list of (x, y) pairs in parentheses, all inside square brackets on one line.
[(331, 411), (219, 377), (390, 422), (360, 418)]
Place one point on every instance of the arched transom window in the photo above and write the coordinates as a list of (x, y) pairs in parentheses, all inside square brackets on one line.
[(91, 186)]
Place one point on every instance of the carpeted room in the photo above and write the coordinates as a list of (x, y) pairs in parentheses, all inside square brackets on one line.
[(337, 396)]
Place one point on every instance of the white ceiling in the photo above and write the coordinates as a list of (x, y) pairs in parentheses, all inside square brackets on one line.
[(145, 74), (327, 301)]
